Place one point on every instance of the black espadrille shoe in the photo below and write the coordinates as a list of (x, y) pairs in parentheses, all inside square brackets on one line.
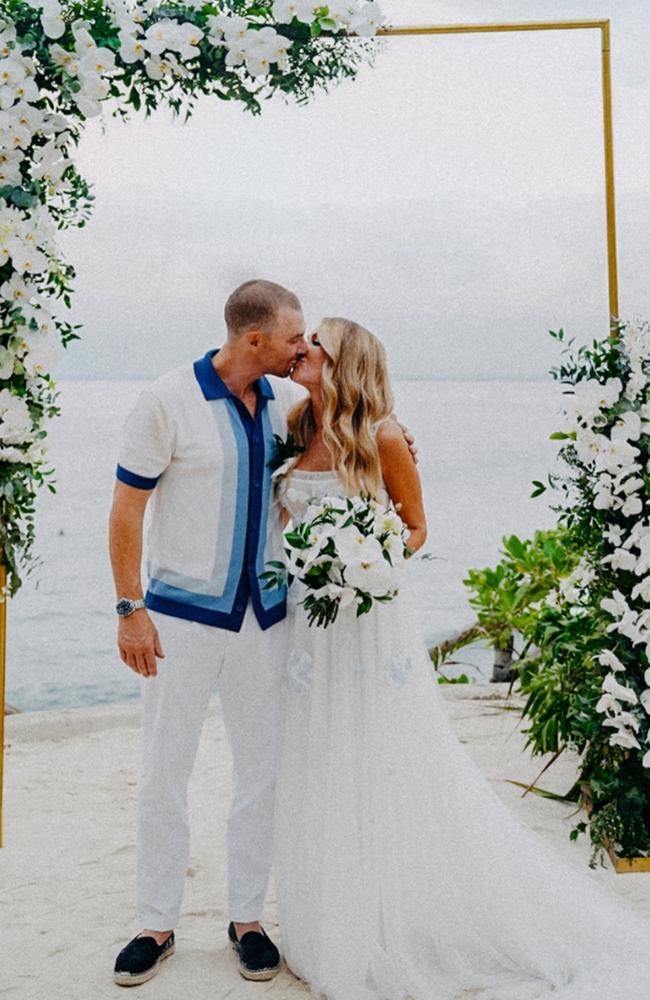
[(139, 960), (258, 956)]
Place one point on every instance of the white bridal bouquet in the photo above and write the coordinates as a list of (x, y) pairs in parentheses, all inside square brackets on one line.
[(347, 550)]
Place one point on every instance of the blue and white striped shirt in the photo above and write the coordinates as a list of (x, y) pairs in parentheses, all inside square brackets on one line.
[(212, 527)]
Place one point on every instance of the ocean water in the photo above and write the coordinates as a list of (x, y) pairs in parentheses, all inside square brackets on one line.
[(480, 446)]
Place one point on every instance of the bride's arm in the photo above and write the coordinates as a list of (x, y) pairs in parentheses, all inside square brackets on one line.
[(402, 481)]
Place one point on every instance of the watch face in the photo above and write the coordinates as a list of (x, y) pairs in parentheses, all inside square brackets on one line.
[(124, 607)]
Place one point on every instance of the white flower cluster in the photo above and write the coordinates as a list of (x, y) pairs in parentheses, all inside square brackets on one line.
[(613, 456), (256, 49), (356, 18), (574, 587), (625, 721), (617, 462), (345, 550), (361, 562), (635, 625)]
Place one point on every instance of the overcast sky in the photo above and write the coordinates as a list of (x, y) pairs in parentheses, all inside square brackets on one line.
[(451, 199)]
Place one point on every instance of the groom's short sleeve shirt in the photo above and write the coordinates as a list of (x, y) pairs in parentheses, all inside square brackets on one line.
[(212, 523)]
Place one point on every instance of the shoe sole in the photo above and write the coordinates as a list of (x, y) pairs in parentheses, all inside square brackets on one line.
[(259, 975), (125, 980)]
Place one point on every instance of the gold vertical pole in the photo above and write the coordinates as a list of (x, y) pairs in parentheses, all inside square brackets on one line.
[(3, 646), (610, 202)]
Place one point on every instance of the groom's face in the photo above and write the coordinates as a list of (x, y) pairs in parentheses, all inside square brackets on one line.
[(286, 344)]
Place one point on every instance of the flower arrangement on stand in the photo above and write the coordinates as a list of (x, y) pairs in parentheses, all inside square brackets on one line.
[(589, 685), (60, 62), (578, 597)]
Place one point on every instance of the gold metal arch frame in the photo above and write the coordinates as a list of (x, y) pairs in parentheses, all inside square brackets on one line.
[(452, 29)]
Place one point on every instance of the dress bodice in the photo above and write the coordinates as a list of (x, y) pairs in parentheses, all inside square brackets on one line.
[(295, 488)]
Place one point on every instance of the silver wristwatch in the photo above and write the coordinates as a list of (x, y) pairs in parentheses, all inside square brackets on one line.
[(125, 606)]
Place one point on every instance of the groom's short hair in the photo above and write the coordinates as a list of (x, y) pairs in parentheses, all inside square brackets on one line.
[(256, 304)]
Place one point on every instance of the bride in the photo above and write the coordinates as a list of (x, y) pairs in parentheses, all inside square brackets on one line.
[(399, 872)]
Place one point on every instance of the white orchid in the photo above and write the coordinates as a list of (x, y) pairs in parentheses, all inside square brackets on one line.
[(43, 353), (7, 363), (49, 164), (614, 534), (157, 67), (609, 659), (7, 41), (230, 27), (613, 455), (131, 48), (636, 383), (632, 506), (160, 36), (15, 419), (284, 11), (98, 61), (10, 172), (627, 426), (642, 590), (263, 48), (28, 116), (619, 691), (187, 42), (615, 605), (590, 397), (624, 720), (608, 703), (368, 20), (52, 21), (624, 738), (643, 561)]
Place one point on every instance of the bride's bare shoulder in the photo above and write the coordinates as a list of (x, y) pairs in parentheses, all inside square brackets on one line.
[(389, 434)]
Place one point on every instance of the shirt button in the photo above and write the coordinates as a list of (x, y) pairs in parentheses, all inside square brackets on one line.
[(239, 607)]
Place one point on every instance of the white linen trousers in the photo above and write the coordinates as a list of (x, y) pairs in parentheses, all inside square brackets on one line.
[(246, 668)]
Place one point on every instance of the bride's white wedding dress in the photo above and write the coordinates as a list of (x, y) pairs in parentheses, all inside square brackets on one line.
[(399, 871)]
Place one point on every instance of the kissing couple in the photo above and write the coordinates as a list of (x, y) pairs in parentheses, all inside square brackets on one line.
[(399, 872)]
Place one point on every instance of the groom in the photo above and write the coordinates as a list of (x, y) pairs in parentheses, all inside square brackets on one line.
[(198, 443)]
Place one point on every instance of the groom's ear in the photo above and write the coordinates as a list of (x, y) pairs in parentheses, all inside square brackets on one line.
[(253, 338)]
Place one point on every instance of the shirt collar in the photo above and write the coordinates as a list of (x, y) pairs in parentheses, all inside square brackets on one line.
[(214, 387)]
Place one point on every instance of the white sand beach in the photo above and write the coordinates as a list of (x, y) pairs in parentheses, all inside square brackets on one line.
[(67, 868)]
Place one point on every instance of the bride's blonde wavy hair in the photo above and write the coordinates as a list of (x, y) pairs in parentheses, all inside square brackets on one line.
[(357, 394)]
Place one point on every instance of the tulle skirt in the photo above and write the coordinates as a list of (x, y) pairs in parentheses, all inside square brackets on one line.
[(399, 871)]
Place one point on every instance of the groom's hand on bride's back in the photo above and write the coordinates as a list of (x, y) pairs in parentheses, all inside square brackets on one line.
[(408, 437)]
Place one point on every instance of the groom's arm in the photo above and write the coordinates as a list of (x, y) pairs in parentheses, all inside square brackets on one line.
[(137, 637)]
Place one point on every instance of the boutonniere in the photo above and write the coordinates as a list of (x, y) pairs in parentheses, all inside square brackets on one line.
[(284, 450)]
